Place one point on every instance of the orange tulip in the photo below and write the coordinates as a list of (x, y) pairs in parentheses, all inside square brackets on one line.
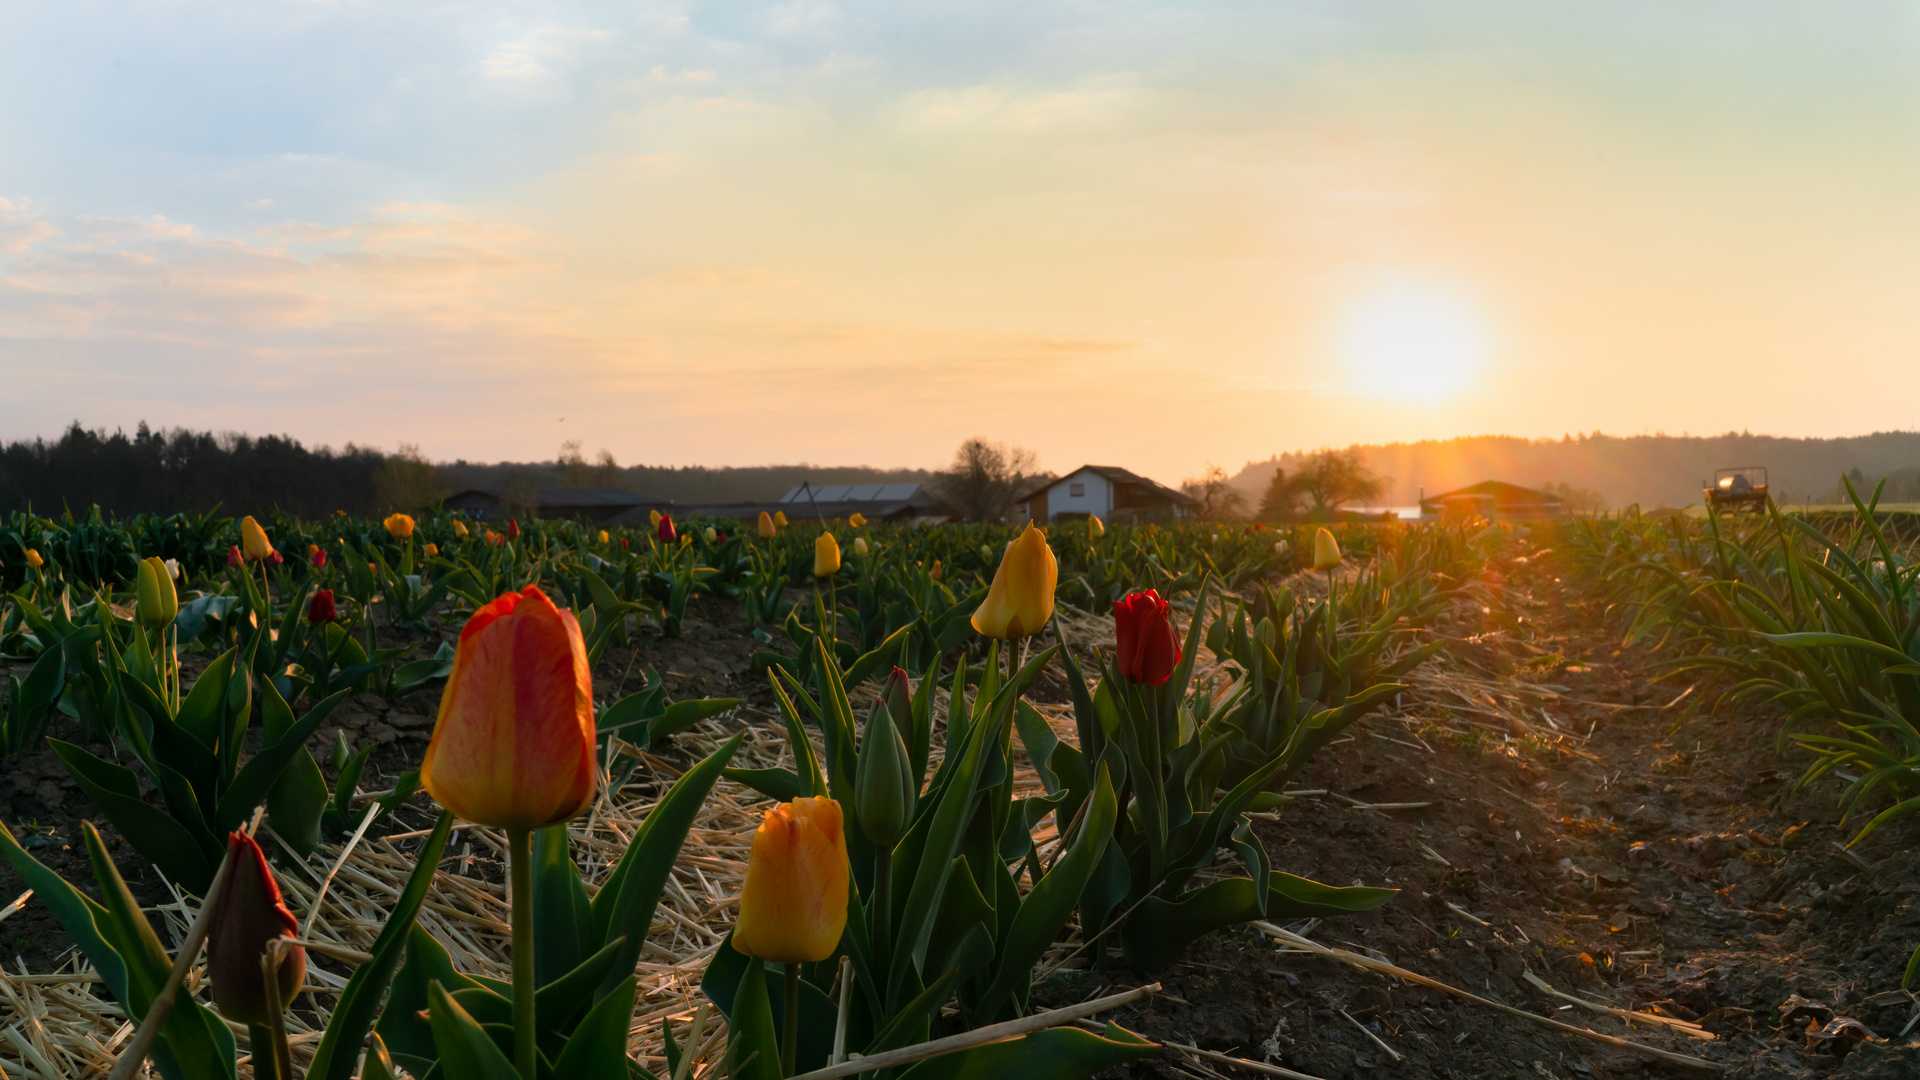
[(513, 746), (459, 528), (766, 525), (1020, 600), (794, 904), (432, 550), (399, 526), (253, 540)]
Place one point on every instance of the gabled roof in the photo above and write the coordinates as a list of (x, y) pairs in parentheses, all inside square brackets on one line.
[(1116, 475), (1501, 492), (562, 498), (858, 493)]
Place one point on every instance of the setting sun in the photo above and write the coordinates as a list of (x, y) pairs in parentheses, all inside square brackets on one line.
[(1412, 343)]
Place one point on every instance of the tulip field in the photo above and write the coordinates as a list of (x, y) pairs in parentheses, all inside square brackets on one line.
[(428, 796)]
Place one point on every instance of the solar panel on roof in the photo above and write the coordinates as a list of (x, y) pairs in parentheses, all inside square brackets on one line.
[(897, 491)]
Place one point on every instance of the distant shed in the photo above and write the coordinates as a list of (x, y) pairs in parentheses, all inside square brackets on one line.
[(579, 504), (1493, 500)]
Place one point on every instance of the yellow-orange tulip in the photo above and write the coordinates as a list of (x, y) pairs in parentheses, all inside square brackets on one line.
[(605, 538), (937, 570), (1020, 601), (780, 518), (654, 517), (513, 746), (858, 519), (794, 903), (460, 528), (826, 555), (1095, 528), (766, 526), (1326, 551), (253, 539), (432, 550), (34, 560), (399, 526)]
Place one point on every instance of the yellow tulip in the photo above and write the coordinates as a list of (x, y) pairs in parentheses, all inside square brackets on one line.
[(1095, 528), (460, 528), (155, 601), (826, 555), (513, 746), (858, 519), (605, 538), (859, 545), (253, 539), (34, 560), (1326, 551), (1020, 601), (780, 518), (936, 571), (766, 526), (793, 905), (399, 526), (654, 517)]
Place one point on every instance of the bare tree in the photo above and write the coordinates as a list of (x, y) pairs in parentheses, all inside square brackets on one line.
[(607, 472), (406, 481), (985, 479), (1326, 481), (1219, 501), (574, 472)]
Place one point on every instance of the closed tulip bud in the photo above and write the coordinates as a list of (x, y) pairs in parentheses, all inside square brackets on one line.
[(883, 780), (826, 555), (513, 745), (766, 526), (937, 570), (234, 558), (431, 550), (154, 599), (858, 519), (513, 528), (341, 752), (654, 516), (275, 559), (34, 560), (859, 545), (898, 694), (793, 905), (1095, 528), (624, 546), (663, 528), (1020, 600), (1326, 551), (711, 535), (399, 526), (1146, 650), (173, 568), (986, 552), (460, 529), (253, 540), (605, 538), (780, 518), (248, 913), (316, 557)]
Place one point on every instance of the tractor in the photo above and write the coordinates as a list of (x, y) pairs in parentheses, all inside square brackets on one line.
[(1743, 488)]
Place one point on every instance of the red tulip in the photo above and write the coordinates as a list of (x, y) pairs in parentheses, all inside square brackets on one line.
[(513, 746), (623, 544), (275, 559), (234, 558), (318, 558), (513, 528), (320, 609), (1147, 650), (665, 530), (247, 914)]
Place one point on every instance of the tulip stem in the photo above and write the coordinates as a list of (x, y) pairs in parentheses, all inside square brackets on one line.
[(790, 1019), (520, 894)]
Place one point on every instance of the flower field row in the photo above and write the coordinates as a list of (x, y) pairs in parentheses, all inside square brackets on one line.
[(928, 839)]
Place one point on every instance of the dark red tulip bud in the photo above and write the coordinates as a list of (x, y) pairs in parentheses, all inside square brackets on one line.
[(1146, 651), (321, 609), (665, 530), (623, 544), (234, 558), (513, 528), (275, 559), (247, 914), (898, 696)]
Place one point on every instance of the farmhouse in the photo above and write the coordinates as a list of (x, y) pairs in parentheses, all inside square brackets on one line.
[(896, 503), (1494, 500), (580, 504), (1106, 491)]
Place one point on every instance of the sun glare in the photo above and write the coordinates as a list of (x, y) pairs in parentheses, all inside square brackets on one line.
[(1412, 343)]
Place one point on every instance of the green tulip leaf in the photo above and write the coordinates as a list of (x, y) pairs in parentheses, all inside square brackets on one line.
[(562, 912), (298, 798), (599, 1045), (465, 1048), (1158, 929), (160, 839)]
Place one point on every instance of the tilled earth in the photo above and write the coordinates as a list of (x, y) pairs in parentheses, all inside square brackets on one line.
[(1650, 855)]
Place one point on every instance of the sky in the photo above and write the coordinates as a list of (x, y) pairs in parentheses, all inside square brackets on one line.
[(1145, 234)]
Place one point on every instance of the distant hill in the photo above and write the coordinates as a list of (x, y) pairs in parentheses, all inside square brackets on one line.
[(686, 484), (1651, 470)]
